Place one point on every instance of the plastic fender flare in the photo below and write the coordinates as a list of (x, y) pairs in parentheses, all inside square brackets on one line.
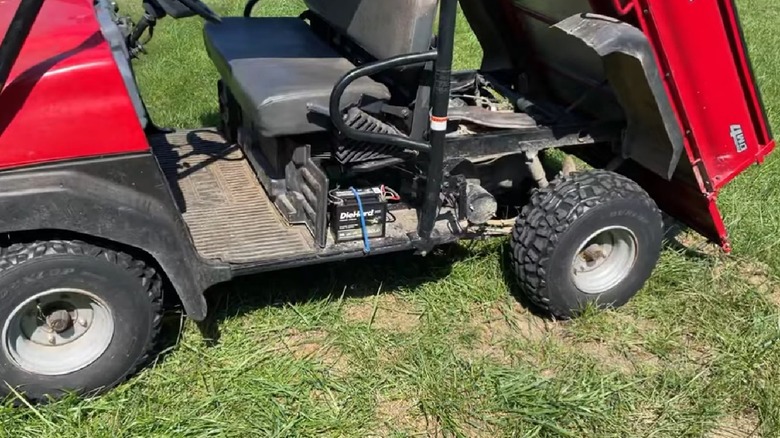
[(653, 135), (142, 215)]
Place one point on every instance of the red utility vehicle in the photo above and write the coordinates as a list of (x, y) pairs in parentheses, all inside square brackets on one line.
[(345, 134)]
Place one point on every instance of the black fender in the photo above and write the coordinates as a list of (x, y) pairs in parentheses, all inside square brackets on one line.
[(123, 199), (653, 135)]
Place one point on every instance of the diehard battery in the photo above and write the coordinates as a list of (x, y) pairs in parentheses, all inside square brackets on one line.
[(345, 214)]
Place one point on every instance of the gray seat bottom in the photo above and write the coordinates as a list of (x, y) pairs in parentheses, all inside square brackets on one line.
[(276, 66)]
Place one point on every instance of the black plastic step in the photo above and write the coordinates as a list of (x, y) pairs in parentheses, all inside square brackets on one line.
[(307, 186)]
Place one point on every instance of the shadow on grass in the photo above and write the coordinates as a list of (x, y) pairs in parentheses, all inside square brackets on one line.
[(385, 274), (673, 240)]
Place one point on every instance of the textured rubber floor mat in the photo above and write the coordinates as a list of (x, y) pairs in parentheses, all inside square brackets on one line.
[(228, 213)]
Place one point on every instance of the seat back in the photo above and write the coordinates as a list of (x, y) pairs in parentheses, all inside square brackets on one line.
[(383, 28)]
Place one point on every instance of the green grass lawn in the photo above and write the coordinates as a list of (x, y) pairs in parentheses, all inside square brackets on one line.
[(404, 346)]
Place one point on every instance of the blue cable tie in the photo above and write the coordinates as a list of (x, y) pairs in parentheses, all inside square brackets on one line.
[(366, 243)]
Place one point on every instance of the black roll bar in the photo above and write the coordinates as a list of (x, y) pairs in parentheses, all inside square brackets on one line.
[(367, 70), (440, 98), (16, 35), (440, 103)]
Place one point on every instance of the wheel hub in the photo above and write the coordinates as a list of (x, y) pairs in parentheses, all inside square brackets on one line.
[(58, 331), (604, 260), (593, 256), (59, 320)]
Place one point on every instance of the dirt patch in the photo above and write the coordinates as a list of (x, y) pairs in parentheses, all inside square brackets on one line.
[(644, 418), (756, 274), (502, 323), (509, 321), (746, 425), (392, 314), (303, 344), (696, 352), (404, 416), (641, 326), (488, 346), (774, 297), (694, 242), (391, 356), (313, 346), (627, 362), (474, 427)]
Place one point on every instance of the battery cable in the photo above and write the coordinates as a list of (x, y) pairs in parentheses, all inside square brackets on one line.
[(389, 194), (366, 243)]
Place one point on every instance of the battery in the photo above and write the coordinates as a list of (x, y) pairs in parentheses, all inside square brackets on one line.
[(345, 214)]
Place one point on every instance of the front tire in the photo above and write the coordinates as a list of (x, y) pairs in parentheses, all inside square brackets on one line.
[(74, 318), (588, 238)]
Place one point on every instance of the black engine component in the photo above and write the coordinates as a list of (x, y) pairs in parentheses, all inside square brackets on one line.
[(354, 152), (481, 205)]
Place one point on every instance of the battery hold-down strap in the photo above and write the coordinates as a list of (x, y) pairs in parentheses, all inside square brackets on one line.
[(366, 243)]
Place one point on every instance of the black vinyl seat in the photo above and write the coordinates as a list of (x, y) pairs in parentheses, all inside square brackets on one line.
[(276, 66)]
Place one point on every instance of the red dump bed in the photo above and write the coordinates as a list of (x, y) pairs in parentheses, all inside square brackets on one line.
[(711, 80), (700, 50)]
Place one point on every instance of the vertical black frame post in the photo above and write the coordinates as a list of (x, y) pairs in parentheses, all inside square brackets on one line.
[(440, 100), (16, 35)]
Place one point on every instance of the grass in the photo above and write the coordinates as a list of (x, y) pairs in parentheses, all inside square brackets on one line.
[(405, 346)]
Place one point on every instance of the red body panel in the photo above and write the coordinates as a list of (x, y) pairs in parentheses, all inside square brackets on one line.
[(65, 98)]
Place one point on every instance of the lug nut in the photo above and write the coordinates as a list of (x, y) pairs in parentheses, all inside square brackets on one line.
[(52, 339), (82, 322)]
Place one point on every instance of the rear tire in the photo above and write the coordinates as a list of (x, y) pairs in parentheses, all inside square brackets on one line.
[(588, 238), (74, 318)]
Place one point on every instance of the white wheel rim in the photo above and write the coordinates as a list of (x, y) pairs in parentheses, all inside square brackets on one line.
[(604, 259), (57, 332)]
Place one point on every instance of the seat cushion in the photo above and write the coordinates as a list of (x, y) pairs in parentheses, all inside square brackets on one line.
[(276, 66)]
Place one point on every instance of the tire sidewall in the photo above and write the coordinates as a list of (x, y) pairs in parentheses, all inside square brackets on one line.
[(121, 291), (632, 214)]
